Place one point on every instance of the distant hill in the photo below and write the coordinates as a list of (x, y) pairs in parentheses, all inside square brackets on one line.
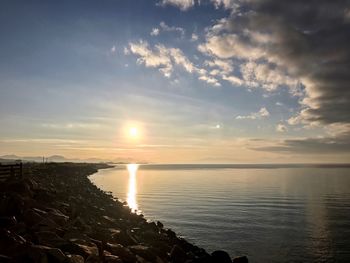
[(61, 159)]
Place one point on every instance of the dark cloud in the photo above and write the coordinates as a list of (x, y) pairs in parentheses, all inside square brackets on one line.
[(310, 146), (311, 39)]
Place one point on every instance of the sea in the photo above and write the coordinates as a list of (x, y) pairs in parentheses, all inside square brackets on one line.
[(270, 213)]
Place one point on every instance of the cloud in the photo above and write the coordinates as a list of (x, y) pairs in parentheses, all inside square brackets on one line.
[(165, 59), (156, 58), (229, 46), (294, 120), (302, 45), (281, 127), (180, 59), (167, 28), (315, 51), (233, 80), (154, 32), (262, 113), (113, 49), (227, 4), (225, 66), (126, 51), (309, 146), (254, 73), (194, 37), (210, 80), (182, 4), (267, 77)]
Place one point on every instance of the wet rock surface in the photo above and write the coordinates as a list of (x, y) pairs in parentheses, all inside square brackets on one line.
[(55, 214)]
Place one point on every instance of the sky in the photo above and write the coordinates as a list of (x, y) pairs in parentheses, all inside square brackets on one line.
[(210, 81)]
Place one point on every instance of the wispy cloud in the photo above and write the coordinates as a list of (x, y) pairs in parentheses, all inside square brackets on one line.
[(182, 4), (166, 58), (194, 37), (154, 32), (262, 113), (281, 128), (166, 28)]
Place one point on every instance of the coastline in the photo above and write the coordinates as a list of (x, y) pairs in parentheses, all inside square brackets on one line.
[(55, 214)]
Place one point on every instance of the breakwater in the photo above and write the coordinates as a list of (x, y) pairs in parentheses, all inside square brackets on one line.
[(55, 214)]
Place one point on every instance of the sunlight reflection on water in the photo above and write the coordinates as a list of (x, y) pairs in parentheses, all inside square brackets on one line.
[(132, 187)]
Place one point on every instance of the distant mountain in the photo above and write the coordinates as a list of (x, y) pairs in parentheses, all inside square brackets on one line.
[(60, 159), (53, 158), (27, 158), (10, 157)]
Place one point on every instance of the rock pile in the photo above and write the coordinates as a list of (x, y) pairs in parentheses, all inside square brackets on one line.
[(55, 214)]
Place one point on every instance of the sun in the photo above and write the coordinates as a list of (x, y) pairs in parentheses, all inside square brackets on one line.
[(133, 132)]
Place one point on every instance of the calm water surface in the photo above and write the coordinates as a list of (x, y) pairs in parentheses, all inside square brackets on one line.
[(270, 215)]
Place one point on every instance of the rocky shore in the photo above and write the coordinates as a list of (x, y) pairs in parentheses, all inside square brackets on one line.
[(55, 214)]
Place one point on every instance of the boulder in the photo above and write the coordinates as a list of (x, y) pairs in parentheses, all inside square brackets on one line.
[(112, 259), (170, 233), (144, 251), (221, 256), (159, 224), (80, 247), (56, 255), (121, 251), (32, 217), (113, 235), (93, 259), (49, 238), (58, 217), (12, 204), (241, 259), (177, 255), (74, 234), (10, 242), (39, 253), (7, 221), (22, 187), (5, 259), (46, 224), (75, 259)]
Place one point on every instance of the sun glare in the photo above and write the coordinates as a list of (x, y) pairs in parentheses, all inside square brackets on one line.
[(133, 132)]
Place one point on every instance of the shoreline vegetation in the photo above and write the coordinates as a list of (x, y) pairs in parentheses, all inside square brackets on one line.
[(55, 214)]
